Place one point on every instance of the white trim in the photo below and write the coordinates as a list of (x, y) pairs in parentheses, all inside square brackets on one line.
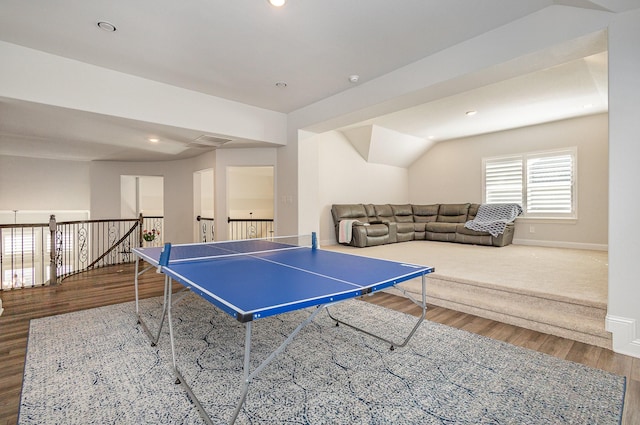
[(562, 244), (623, 330)]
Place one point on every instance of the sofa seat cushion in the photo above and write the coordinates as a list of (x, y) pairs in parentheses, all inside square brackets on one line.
[(370, 235), (464, 231), (468, 236), (405, 237), (444, 232), (405, 231), (375, 229), (437, 227), (405, 227)]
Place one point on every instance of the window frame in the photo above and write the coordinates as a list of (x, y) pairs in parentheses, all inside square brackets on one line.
[(524, 159)]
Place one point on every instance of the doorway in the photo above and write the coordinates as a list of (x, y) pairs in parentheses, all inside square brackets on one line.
[(250, 202)]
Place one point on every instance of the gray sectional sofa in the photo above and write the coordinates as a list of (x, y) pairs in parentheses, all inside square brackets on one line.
[(387, 223)]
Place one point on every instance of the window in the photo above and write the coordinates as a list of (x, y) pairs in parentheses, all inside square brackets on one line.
[(542, 182)]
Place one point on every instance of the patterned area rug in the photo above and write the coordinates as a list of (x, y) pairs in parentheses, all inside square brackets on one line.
[(98, 367)]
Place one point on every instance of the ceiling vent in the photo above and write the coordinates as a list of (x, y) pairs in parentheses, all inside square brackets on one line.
[(208, 142)]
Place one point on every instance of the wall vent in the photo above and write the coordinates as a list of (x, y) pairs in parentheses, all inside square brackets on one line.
[(207, 141)]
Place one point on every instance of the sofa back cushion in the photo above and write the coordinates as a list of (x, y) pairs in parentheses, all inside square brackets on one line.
[(402, 213), (425, 213), (384, 212), (371, 211), (473, 211), (348, 212), (453, 213)]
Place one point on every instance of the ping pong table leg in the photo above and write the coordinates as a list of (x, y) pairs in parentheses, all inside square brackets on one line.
[(135, 285), (139, 273), (145, 328), (179, 378), (165, 303), (167, 290), (388, 341), (245, 374), (248, 376)]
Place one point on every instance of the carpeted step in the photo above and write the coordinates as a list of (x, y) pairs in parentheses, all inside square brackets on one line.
[(561, 316), (557, 291)]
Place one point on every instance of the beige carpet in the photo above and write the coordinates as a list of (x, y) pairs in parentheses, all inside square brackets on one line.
[(563, 274)]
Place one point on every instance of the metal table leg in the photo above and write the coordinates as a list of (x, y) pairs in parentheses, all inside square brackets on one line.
[(413, 331)]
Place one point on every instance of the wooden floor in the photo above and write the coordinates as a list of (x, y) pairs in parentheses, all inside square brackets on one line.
[(113, 285)]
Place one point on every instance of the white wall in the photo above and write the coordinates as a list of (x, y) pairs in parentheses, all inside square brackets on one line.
[(623, 316), (308, 184), (179, 214), (346, 178), (451, 172), (43, 184), (128, 196), (287, 186), (203, 185)]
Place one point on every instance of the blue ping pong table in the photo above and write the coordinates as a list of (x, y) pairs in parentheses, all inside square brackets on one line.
[(257, 278)]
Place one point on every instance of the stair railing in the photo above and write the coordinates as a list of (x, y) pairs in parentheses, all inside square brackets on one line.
[(45, 254)]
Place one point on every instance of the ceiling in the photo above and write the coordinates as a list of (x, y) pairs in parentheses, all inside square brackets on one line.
[(240, 49)]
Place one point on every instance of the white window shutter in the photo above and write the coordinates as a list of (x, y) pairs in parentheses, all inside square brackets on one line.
[(550, 184), (503, 181)]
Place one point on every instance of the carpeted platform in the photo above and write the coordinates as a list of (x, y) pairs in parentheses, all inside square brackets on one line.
[(97, 366), (558, 291)]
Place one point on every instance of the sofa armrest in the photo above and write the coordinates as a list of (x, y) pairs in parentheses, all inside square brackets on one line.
[(359, 236), (367, 234)]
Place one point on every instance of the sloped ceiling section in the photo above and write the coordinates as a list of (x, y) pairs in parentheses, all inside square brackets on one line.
[(379, 145)]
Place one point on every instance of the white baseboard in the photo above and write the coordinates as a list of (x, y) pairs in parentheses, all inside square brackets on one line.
[(623, 330), (560, 244)]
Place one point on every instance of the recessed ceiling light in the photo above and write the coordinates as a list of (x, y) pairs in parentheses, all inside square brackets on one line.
[(106, 26), (354, 78), (281, 84), (153, 139), (471, 113), (431, 137), (277, 3)]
